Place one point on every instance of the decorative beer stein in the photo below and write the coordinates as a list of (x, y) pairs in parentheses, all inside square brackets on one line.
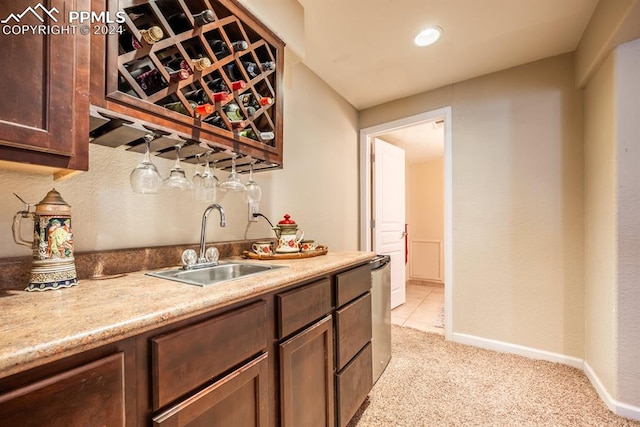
[(53, 263), (289, 236)]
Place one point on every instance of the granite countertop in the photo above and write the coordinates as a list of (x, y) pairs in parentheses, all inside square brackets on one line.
[(40, 327)]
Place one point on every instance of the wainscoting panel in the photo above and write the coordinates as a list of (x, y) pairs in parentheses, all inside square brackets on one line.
[(426, 260)]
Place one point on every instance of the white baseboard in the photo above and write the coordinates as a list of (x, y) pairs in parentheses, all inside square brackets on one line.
[(529, 352), (618, 408), (615, 406)]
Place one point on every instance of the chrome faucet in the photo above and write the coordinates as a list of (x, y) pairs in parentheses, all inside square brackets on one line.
[(202, 260)]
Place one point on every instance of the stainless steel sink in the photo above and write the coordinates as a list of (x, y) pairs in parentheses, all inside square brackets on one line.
[(222, 272)]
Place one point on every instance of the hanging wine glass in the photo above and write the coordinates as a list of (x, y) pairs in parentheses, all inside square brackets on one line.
[(232, 184), (252, 191), (209, 181), (145, 178), (198, 181), (177, 179)]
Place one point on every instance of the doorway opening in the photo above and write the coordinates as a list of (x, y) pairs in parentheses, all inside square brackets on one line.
[(367, 199)]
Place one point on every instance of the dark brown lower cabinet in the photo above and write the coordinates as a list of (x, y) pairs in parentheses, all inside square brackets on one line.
[(306, 377), (354, 374), (353, 384), (88, 395), (217, 368), (183, 360), (240, 399)]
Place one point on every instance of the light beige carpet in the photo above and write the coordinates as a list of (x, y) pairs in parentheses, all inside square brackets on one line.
[(433, 382)]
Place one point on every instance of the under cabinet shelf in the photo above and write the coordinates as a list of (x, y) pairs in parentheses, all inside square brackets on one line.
[(118, 132)]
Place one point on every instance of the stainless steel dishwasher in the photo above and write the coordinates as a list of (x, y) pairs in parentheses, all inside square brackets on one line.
[(380, 313)]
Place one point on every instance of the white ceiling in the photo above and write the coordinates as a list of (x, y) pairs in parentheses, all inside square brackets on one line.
[(421, 142), (364, 48)]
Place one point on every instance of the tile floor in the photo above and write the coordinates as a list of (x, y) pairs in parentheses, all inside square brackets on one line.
[(421, 307)]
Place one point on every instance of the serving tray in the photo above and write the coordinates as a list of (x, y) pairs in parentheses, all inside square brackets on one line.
[(320, 250)]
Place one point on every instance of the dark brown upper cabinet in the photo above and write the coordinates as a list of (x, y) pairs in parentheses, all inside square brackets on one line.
[(44, 91), (206, 70)]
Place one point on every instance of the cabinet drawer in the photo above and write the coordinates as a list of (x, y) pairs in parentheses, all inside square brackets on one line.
[(353, 329), (79, 397), (352, 283), (239, 399), (302, 306), (353, 384), (187, 358)]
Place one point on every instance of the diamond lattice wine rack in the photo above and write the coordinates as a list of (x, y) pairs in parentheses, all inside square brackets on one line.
[(202, 71)]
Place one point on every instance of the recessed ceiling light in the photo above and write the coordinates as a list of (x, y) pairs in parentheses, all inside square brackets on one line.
[(428, 36)]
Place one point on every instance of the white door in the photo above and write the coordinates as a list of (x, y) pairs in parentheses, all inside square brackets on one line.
[(388, 212)]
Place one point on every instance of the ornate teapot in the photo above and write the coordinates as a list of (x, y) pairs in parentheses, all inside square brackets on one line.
[(53, 264), (289, 236)]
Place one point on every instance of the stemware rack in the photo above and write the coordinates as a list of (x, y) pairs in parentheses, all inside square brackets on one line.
[(110, 130), (125, 97)]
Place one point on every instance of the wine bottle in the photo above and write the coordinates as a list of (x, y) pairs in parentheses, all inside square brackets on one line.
[(216, 120), (260, 101), (151, 81), (204, 17), (178, 64), (201, 63), (180, 23), (252, 104), (251, 68), (218, 85), (176, 76), (180, 108), (233, 112), (221, 49), (220, 96), (267, 136), (204, 110), (265, 100), (152, 35), (249, 133), (238, 84), (198, 96)]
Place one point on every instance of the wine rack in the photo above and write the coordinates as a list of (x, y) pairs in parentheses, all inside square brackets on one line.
[(207, 70)]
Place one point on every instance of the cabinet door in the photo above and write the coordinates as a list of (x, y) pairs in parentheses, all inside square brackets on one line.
[(241, 399), (306, 377), (89, 395), (44, 92)]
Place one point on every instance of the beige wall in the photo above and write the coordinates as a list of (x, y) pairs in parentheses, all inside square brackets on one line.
[(425, 216), (627, 78), (318, 186), (600, 225), (517, 202), (612, 229)]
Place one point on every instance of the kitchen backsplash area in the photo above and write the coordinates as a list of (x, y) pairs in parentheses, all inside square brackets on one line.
[(107, 214)]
